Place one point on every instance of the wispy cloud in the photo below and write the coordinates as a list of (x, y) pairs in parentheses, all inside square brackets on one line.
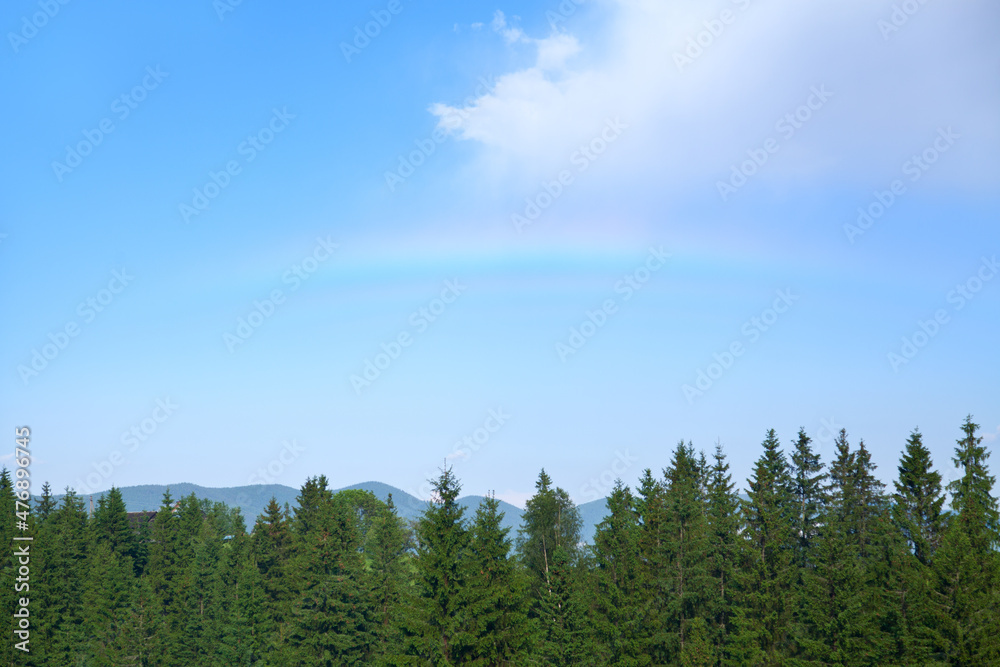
[(510, 34)]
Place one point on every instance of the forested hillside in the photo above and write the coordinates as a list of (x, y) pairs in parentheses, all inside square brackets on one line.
[(820, 564), (253, 501)]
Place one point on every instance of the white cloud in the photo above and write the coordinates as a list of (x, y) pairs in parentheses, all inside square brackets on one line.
[(691, 120), (510, 34), (990, 437), (555, 50)]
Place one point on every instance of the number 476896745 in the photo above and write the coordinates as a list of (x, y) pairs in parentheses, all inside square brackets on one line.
[(23, 457)]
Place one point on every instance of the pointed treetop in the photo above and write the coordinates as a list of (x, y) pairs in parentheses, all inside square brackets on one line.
[(972, 492), (167, 504), (544, 482), (446, 487)]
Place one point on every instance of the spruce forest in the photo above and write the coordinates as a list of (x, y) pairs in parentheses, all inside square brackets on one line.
[(812, 562)]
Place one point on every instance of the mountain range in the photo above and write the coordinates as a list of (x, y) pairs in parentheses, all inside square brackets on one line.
[(253, 499)]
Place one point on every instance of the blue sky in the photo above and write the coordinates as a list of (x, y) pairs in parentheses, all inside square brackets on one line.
[(571, 214)]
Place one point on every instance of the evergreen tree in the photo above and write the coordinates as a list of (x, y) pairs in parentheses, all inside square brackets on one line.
[(168, 559), (495, 595), (108, 598), (143, 629), (559, 614), (967, 563), (311, 499), (550, 520), (617, 614), (918, 515), (9, 565), (272, 549), (110, 524), (769, 543), (918, 499), (46, 504), (883, 553), (196, 594), (332, 620), (387, 553), (652, 515), (66, 565), (972, 500), (723, 550), (434, 623), (686, 547), (242, 636), (807, 493), (698, 649)]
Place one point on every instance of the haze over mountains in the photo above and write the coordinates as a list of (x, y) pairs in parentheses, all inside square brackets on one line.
[(253, 499)]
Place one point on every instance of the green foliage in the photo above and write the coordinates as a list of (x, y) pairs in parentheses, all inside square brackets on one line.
[(332, 618), (435, 620), (967, 564), (388, 561), (617, 612), (686, 550), (560, 615), (768, 545), (918, 500), (495, 593), (550, 521), (817, 566), (808, 497), (723, 551)]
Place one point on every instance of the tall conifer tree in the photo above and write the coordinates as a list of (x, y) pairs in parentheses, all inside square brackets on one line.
[(495, 595), (686, 546), (618, 614), (769, 545), (436, 619), (919, 499)]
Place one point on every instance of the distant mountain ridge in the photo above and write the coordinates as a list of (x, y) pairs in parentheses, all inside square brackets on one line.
[(252, 500)]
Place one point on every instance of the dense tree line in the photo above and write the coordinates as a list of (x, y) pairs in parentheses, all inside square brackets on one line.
[(819, 564)]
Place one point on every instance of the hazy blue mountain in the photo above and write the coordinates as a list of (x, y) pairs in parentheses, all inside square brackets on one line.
[(591, 514), (253, 499)]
